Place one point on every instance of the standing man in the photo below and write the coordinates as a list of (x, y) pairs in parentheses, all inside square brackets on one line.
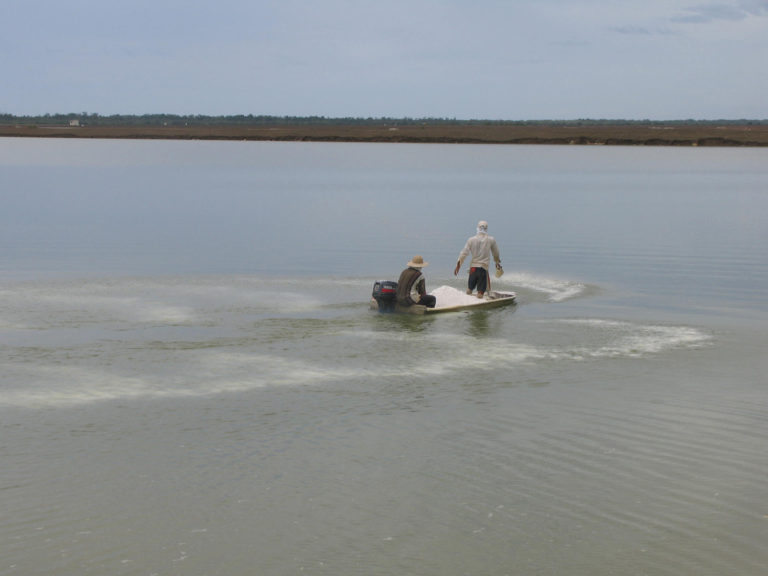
[(412, 288), (481, 246)]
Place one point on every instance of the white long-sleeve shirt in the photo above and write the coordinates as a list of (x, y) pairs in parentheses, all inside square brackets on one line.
[(481, 246)]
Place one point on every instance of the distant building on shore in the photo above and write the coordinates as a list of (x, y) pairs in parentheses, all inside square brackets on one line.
[(74, 122)]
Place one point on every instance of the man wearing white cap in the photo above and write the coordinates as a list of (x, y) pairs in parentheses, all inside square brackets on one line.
[(481, 246), (412, 288)]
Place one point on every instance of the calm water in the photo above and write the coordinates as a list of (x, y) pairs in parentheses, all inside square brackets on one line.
[(191, 381)]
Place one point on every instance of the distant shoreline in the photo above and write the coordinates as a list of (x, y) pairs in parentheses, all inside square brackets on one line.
[(730, 135)]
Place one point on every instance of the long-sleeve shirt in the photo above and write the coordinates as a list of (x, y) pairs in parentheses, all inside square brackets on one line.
[(410, 287), (481, 246)]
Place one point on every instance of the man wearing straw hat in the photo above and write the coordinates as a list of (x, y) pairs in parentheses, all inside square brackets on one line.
[(481, 246), (412, 288)]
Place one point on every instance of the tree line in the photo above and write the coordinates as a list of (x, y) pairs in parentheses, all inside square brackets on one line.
[(94, 119)]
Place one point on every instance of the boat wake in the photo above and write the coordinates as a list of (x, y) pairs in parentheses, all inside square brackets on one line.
[(67, 344), (536, 287)]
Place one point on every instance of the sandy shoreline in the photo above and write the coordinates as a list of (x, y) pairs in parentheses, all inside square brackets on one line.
[(627, 135)]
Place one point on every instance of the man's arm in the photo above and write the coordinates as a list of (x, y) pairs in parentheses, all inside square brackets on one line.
[(463, 254), (495, 252)]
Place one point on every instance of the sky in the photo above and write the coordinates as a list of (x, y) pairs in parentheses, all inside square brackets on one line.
[(464, 59)]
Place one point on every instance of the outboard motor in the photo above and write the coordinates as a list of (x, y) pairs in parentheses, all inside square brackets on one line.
[(385, 295)]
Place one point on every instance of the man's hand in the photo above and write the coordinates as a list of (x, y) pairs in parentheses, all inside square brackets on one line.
[(456, 271)]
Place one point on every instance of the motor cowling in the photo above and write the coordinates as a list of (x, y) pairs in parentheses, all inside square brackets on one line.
[(385, 295)]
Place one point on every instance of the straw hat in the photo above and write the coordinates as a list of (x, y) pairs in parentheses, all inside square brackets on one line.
[(417, 262)]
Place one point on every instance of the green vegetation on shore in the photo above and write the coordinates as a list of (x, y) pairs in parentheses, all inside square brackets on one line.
[(412, 130), (92, 119)]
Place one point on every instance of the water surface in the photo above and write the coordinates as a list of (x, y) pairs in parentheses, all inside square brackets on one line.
[(191, 380)]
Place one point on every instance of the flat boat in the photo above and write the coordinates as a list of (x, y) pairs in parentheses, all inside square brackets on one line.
[(448, 300)]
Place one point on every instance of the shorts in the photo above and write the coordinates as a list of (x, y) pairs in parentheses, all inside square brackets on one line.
[(478, 278)]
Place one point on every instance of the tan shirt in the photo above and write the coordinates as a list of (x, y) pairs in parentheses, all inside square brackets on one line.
[(481, 246)]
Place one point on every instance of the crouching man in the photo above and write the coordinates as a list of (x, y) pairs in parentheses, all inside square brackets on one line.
[(412, 288)]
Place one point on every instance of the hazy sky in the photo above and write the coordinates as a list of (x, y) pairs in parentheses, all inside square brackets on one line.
[(499, 59)]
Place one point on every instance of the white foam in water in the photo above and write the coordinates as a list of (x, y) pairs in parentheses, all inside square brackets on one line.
[(200, 372), (625, 339), (118, 353), (159, 302), (556, 290), (610, 339), (203, 374)]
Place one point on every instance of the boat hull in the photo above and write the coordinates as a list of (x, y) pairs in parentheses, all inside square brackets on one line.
[(492, 299)]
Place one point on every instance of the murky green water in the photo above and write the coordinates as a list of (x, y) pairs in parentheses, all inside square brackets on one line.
[(191, 381)]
